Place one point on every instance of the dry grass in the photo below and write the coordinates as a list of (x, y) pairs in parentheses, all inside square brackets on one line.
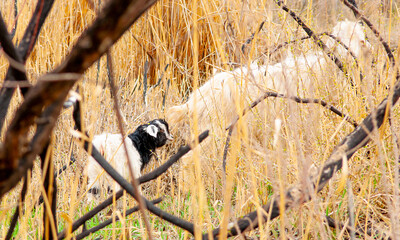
[(308, 133)]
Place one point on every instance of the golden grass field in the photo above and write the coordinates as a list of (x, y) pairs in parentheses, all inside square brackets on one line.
[(370, 185)]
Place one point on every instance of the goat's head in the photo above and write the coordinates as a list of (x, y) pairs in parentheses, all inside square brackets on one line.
[(158, 130), (352, 35)]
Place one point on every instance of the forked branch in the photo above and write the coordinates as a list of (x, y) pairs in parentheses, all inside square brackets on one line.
[(316, 39), (46, 98), (23, 51), (298, 194), (373, 29)]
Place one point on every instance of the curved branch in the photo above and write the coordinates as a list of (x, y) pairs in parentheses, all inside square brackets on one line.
[(318, 41), (297, 194), (373, 29), (281, 45), (24, 49), (49, 94), (13, 72), (298, 100), (188, 226), (14, 219), (109, 221), (326, 105)]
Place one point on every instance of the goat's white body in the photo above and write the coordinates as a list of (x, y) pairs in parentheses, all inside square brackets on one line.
[(217, 101), (111, 147)]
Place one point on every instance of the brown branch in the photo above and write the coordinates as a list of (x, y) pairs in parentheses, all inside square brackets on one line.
[(298, 100), (278, 95), (134, 181), (145, 178), (14, 28), (373, 29), (297, 194), (250, 39), (281, 45), (109, 26), (12, 73), (109, 221), (14, 219), (24, 49), (42, 10), (318, 41)]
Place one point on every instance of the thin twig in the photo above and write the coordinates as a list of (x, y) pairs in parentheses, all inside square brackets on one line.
[(134, 182), (46, 98), (226, 148), (278, 95), (297, 195), (145, 178), (250, 39), (14, 219), (160, 78), (50, 189), (318, 41), (166, 93), (14, 29), (373, 29), (298, 100), (109, 221), (279, 46), (146, 69)]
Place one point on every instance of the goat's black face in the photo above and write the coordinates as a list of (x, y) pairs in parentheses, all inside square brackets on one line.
[(158, 129)]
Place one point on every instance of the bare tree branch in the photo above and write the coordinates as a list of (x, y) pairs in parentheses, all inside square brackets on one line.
[(134, 182), (14, 30), (24, 49), (279, 46), (109, 221), (49, 95), (250, 39), (12, 73), (42, 10), (318, 41), (50, 187), (298, 100), (145, 178), (14, 219), (373, 29), (6, 43), (267, 94), (297, 195)]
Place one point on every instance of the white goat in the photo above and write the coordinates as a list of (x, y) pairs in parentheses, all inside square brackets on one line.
[(217, 100)]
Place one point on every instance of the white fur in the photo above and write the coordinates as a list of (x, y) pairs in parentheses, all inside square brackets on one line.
[(352, 35), (219, 96), (224, 95), (111, 147), (164, 129), (152, 130)]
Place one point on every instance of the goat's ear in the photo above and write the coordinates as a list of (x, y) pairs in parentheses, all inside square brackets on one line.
[(152, 130)]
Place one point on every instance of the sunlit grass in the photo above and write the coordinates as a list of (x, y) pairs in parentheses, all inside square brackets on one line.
[(308, 134)]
